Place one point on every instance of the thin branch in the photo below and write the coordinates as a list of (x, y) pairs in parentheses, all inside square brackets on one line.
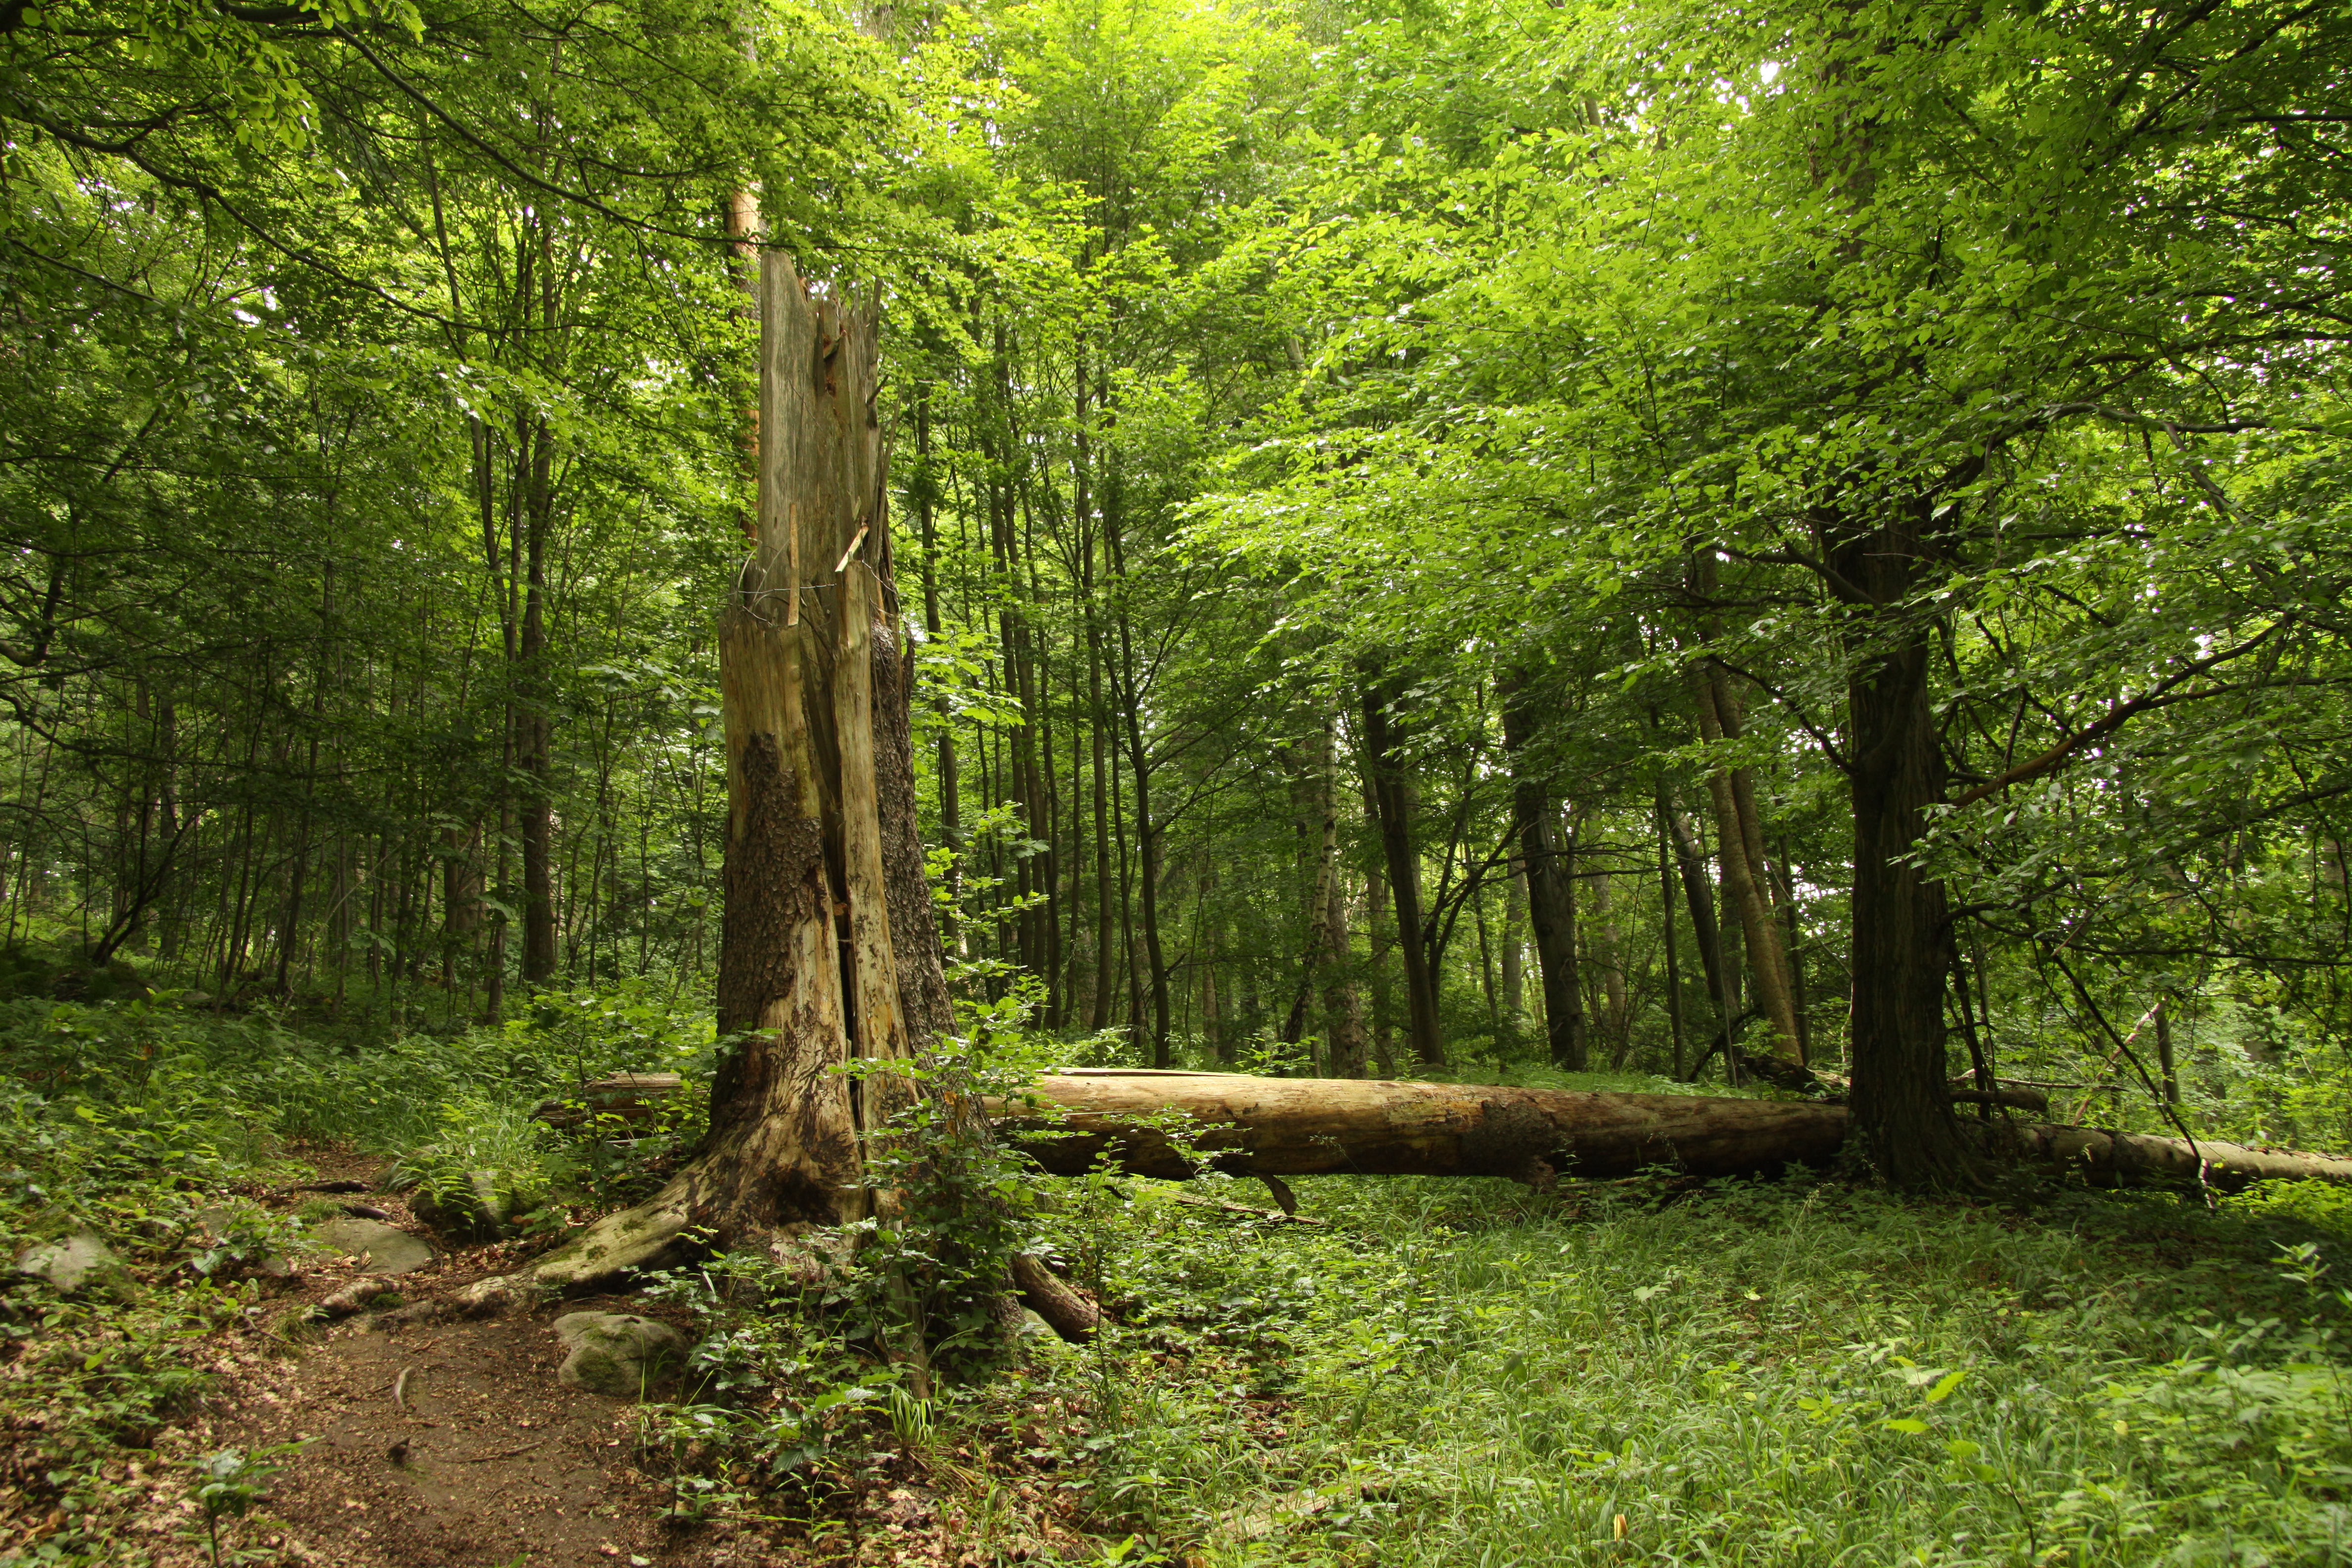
[(2116, 717)]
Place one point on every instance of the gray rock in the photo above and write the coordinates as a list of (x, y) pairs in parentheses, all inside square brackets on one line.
[(384, 1248), (72, 1262), (485, 1209), (217, 1224), (617, 1354)]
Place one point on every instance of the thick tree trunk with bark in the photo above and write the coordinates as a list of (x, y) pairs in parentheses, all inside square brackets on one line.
[(1902, 930), (829, 948), (1279, 1127)]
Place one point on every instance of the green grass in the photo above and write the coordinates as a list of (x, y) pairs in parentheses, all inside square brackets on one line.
[(1788, 1374), (1448, 1372)]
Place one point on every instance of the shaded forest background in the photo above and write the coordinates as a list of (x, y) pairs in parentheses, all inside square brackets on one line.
[(1452, 538)]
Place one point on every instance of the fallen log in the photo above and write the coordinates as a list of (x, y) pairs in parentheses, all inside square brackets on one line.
[(1171, 1124), (631, 1097)]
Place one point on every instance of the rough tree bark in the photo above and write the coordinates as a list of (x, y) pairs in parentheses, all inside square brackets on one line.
[(1902, 928), (829, 948), (1280, 1127)]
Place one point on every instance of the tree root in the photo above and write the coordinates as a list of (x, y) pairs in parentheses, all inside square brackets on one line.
[(655, 1234)]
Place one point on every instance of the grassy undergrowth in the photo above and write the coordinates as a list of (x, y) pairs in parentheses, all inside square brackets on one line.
[(1797, 1373), (1443, 1372)]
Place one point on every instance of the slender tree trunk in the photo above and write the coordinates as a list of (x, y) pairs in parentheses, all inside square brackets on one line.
[(1610, 953), (1394, 799), (1514, 916), (1792, 946), (1376, 921), (2164, 1062), (1099, 1016), (1329, 960), (1544, 860), (925, 490), (1698, 893), (1673, 954), (535, 726), (1744, 877)]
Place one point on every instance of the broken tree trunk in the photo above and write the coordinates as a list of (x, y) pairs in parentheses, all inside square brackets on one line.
[(1258, 1126), (829, 950)]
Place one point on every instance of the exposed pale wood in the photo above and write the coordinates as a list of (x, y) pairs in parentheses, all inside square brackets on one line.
[(1254, 1126), (821, 851)]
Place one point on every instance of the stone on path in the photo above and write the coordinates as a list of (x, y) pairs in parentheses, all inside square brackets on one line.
[(617, 1354), (486, 1209), (71, 1262), (386, 1249)]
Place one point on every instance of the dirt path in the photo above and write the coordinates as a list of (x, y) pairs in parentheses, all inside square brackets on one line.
[(454, 1445), (457, 1445), (485, 1459)]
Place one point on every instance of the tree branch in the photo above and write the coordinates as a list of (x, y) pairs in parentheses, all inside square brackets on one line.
[(2116, 717)]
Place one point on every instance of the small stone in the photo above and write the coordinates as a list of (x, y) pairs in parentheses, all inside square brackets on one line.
[(72, 1262), (485, 1209), (384, 1248), (617, 1354)]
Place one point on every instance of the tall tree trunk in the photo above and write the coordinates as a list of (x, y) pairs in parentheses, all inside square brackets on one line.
[(1698, 894), (2166, 1067), (1514, 916), (925, 491), (534, 718), (1673, 952), (1551, 886), (1609, 946), (828, 951), (1098, 1014), (1393, 797), (1376, 921), (1745, 878), (1329, 960), (1902, 932)]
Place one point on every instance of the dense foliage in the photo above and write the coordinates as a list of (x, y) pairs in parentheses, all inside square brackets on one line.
[(1446, 537), (1393, 494)]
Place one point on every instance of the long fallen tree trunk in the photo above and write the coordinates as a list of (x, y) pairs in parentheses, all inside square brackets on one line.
[(1172, 1123)]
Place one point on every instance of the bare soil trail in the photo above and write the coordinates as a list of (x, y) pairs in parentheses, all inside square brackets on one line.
[(457, 1445), (485, 1458)]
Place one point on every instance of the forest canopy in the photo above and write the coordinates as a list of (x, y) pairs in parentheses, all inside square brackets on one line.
[(1443, 534)]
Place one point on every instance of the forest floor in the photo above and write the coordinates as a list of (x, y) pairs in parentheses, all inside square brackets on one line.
[(457, 1445), (1436, 1373)]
